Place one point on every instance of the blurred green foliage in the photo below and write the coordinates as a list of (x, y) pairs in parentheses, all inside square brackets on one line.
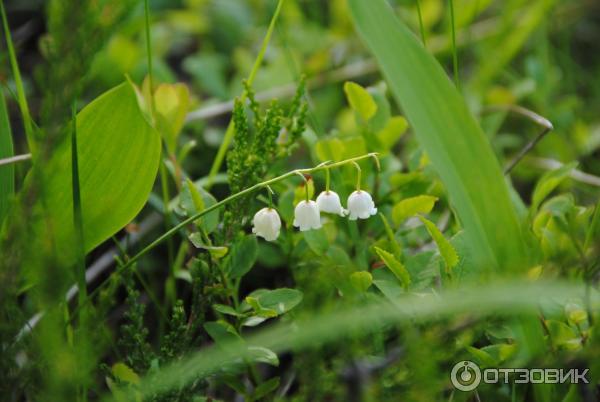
[(373, 310)]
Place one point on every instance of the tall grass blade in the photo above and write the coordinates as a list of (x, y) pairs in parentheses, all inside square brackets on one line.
[(505, 298), (508, 41), (454, 51), (421, 26), (7, 172), (77, 215), (449, 133), (230, 129), (22, 100), (118, 157)]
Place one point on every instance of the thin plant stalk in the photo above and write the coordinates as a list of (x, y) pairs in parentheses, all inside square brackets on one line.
[(149, 51), (77, 215), (358, 175), (171, 232), (454, 50), (78, 223), (421, 25), (307, 196), (21, 99), (170, 285), (230, 129), (546, 124)]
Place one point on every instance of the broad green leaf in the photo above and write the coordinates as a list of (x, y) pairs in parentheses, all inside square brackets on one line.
[(224, 309), (281, 300), (397, 268), (388, 284), (7, 172), (354, 146), (118, 154), (549, 182), (171, 103), (194, 199), (447, 251), (483, 358), (391, 133), (317, 241), (361, 280), (391, 237), (501, 351), (447, 131), (197, 200), (259, 310), (266, 388), (263, 355), (330, 149), (533, 274), (222, 332), (216, 252), (118, 393), (124, 373), (383, 112), (576, 314), (360, 100), (421, 204), (562, 335), (242, 256), (234, 382)]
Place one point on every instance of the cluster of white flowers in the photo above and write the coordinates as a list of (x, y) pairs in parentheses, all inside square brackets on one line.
[(307, 214)]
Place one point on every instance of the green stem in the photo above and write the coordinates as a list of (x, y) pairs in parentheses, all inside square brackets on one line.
[(590, 231), (454, 51), (149, 52), (305, 185), (327, 180), (22, 100), (168, 234), (270, 193), (421, 26), (358, 175), (77, 218), (79, 242), (170, 285), (230, 128)]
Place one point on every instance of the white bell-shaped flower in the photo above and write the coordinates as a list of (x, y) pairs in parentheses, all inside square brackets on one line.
[(329, 201), (361, 205), (267, 224), (306, 216)]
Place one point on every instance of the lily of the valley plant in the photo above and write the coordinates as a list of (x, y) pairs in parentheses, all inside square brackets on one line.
[(307, 213)]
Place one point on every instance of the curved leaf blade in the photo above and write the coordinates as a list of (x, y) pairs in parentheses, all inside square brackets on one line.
[(7, 172), (448, 132), (118, 153)]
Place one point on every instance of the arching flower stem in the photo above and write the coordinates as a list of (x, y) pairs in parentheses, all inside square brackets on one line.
[(169, 233), (358, 175), (305, 185), (270, 193)]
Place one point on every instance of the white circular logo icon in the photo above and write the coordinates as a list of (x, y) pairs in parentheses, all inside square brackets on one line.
[(465, 375)]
